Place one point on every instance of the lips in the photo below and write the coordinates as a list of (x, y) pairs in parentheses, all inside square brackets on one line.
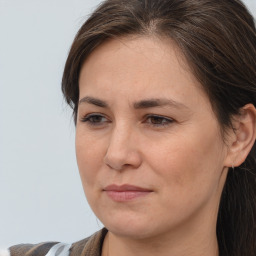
[(125, 187), (125, 192)]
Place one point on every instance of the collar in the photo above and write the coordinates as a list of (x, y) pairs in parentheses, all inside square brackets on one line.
[(91, 246)]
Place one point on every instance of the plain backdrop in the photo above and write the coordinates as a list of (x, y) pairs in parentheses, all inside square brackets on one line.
[(41, 197)]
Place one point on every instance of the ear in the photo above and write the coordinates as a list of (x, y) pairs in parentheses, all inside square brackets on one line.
[(242, 138)]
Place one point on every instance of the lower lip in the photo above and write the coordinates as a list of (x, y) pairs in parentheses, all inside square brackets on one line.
[(124, 196)]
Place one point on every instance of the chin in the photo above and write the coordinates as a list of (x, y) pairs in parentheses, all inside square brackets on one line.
[(133, 227), (130, 232)]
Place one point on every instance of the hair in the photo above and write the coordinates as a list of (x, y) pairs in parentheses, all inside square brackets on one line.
[(218, 40)]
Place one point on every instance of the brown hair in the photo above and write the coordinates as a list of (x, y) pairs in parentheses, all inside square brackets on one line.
[(218, 39)]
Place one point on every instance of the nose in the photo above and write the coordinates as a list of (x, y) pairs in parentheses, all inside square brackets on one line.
[(122, 151)]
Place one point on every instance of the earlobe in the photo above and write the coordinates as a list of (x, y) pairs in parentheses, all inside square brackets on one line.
[(243, 139)]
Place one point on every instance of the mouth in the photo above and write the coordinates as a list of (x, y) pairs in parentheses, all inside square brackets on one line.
[(126, 192)]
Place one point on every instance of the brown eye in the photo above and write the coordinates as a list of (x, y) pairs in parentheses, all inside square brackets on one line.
[(158, 120), (95, 119)]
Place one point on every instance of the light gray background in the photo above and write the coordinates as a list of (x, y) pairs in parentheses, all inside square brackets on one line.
[(41, 197)]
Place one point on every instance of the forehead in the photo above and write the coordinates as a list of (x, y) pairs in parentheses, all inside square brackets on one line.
[(139, 67), (139, 52)]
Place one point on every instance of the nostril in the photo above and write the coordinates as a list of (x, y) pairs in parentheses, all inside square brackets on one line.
[(121, 161), (114, 163)]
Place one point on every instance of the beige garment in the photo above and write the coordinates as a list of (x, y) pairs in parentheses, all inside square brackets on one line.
[(90, 246)]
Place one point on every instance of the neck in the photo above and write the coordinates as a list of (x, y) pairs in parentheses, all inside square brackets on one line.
[(195, 238), (187, 245)]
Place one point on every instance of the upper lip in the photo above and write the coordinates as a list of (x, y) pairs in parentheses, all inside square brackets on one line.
[(125, 187)]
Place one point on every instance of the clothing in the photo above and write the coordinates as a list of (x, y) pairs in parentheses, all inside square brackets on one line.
[(90, 246)]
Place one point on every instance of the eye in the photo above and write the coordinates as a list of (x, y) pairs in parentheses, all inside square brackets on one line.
[(95, 119), (157, 121)]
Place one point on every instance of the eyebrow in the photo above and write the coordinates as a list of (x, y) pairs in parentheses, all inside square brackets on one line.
[(151, 103), (148, 103), (94, 101)]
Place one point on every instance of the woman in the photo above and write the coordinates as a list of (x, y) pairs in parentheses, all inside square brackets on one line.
[(164, 95)]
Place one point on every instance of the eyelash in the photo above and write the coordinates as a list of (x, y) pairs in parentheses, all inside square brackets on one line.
[(164, 121), (89, 119)]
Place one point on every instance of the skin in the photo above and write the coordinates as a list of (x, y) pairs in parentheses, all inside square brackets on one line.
[(179, 156)]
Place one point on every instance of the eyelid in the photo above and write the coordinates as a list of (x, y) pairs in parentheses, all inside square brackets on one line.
[(168, 120), (86, 118), (162, 121)]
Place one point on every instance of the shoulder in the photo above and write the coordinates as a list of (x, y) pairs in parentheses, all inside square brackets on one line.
[(31, 249), (89, 246)]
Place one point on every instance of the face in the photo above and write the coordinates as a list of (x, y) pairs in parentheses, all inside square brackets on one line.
[(149, 149)]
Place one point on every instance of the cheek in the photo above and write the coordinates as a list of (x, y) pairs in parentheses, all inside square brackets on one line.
[(89, 158), (190, 164)]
